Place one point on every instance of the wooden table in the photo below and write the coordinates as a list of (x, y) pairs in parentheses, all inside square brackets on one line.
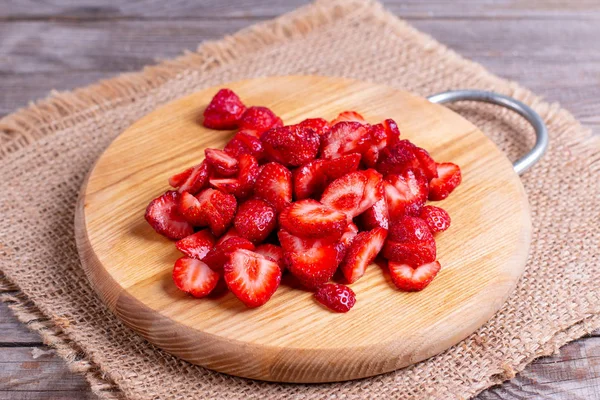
[(549, 46)]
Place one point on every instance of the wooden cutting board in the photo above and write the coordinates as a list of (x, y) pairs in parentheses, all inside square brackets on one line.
[(292, 338)]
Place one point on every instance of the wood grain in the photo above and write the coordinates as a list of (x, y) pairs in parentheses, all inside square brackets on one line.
[(289, 339)]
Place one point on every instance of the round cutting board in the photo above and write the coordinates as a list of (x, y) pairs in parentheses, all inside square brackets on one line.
[(292, 338)]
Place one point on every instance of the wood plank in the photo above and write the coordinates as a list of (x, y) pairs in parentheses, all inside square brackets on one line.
[(14, 332), (157, 9)]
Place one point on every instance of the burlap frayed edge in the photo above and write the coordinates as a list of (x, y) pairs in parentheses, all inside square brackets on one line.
[(65, 109)]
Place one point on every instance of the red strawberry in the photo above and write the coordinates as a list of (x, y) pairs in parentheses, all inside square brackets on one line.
[(224, 110), (273, 253), (410, 279), (189, 208), (409, 229), (245, 142), (221, 162), (232, 232), (397, 158), (248, 173), (309, 179), (274, 185), (373, 190), (309, 218), (408, 195), (426, 163), (196, 245), (292, 145), (436, 218), (225, 206), (344, 138), (392, 132), (351, 116), (191, 180), (375, 141), (449, 177), (319, 125), (251, 277), (218, 255), (211, 208), (194, 277), (362, 252), (345, 241), (375, 217), (346, 193), (226, 185), (162, 214), (255, 220), (336, 297), (338, 167), (259, 119), (413, 253), (311, 261)]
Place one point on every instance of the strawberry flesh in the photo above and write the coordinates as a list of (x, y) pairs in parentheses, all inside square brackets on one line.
[(351, 116), (407, 193), (221, 162), (309, 179), (336, 297), (344, 138), (245, 142), (163, 215), (274, 185), (218, 255), (375, 217), (196, 245), (273, 253), (194, 277), (346, 193), (192, 180), (410, 279), (309, 218), (449, 177), (292, 145), (363, 250), (224, 110)]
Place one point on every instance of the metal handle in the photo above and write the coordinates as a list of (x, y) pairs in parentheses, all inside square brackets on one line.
[(541, 133)]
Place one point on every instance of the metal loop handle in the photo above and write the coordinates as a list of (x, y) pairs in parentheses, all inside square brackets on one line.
[(541, 133)]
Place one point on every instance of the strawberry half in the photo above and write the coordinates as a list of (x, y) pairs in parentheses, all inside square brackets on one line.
[(272, 252), (218, 255), (255, 220), (309, 179), (194, 277), (226, 185), (251, 277), (319, 125), (412, 279), (351, 116), (309, 218), (232, 232), (436, 218), (392, 132), (344, 138), (291, 145), (427, 166), (163, 215), (362, 252), (345, 241), (245, 142), (373, 190), (196, 245), (336, 297), (412, 253), (259, 119), (191, 180), (338, 167), (274, 185), (224, 110), (346, 193), (449, 177), (397, 158), (211, 208), (407, 193), (375, 217), (247, 175), (221, 162)]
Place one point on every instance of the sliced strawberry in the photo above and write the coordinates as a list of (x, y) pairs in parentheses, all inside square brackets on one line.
[(338, 167), (274, 185), (336, 297), (392, 132), (163, 215), (191, 180), (224, 110), (410, 193), (259, 119), (319, 125), (413, 253), (376, 140), (231, 232), (345, 241), (255, 220), (373, 190), (449, 177), (221, 162), (363, 250), (218, 255), (251, 277), (272, 252), (375, 217), (309, 179), (196, 245), (309, 218), (345, 194), (344, 138), (226, 185), (247, 175), (436, 218), (410, 279), (245, 142), (292, 145), (211, 208), (409, 229), (397, 158), (426, 163), (190, 208), (351, 116), (194, 277)]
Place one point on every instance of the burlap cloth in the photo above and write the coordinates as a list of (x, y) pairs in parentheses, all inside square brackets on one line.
[(48, 148)]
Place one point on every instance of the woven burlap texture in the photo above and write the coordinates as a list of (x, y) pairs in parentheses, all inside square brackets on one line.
[(48, 148)]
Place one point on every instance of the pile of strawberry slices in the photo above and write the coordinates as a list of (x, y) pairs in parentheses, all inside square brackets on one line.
[(318, 199)]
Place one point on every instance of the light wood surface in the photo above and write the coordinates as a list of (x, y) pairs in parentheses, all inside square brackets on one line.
[(63, 44), (292, 338)]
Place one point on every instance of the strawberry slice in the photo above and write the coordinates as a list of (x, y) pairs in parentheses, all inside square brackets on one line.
[(245, 142), (309, 218), (191, 180), (436, 218), (221, 162), (194, 277), (449, 177), (373, 190), (224, 110), (312, 261), (345, 241), (392, 132), (413, 253), (211, 208), (344, 138), (274, 185), (196, 245), (292, 145), (346, 193), (272, 252), (247, 175), (397, 158), (218, 255), (410, 193), (426, 163), (336, 297), (410, 229), (363, 250), (338, 167), (309, 179), (255, 220), (319, 125), (251, 277), (375, 141), (412, 279), (163, 215), (226, 185), (375, 217), (232, 232), (259, 119), (351, 116)]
